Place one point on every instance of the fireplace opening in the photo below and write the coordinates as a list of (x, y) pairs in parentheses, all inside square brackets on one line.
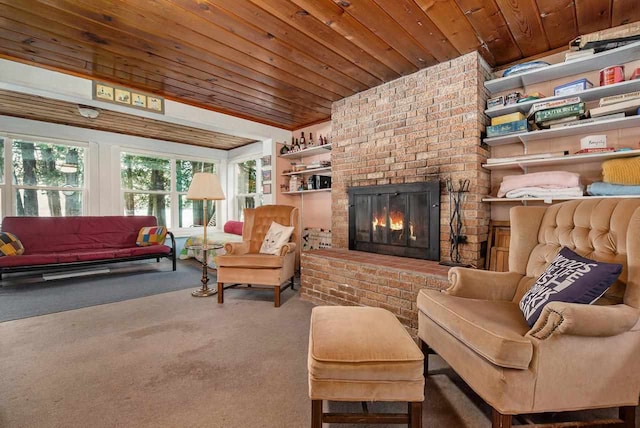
[(400, 220)]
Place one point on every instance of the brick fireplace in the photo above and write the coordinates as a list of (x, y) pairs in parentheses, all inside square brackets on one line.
[(418, 128)]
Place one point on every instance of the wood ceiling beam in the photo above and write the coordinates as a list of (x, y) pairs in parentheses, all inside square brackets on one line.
[(410, 17), (314, 13), (559, 21), (593, 15), (624, 12), (524, 21), (490, 25), (378, 22)]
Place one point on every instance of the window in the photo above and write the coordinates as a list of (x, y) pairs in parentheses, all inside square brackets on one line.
[(190, 212), (156, 185), (247, 195), (48, 179)]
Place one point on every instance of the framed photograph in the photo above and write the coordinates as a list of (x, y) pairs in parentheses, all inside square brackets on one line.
[(139, 100), (266, 188), (266, 175), (104, 92), (266, 160), (154, 103), (123, 96)]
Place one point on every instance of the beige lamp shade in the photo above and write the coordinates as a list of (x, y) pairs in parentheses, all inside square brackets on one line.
[(205, 185)]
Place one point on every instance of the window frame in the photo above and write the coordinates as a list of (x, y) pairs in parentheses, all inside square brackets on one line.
[(7, 187), (173, 192), (234, 165)]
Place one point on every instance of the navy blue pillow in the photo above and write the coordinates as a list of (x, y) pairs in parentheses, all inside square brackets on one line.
[(569, 278)]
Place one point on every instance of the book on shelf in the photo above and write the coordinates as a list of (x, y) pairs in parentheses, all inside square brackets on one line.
[(587, 121), (560, 112), (511, 117), (543, 105), (596, 150), (555, 122), (629, 106), (534, 156), (614, 99), (507, 128), (573, 55)]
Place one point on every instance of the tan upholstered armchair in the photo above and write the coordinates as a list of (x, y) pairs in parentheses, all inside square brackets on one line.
[(244, 264), (575, 356)]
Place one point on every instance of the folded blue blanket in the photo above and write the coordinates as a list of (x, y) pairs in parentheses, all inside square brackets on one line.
[(599, 188)]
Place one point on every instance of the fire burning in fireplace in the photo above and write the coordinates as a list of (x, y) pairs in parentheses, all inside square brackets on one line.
[(396, 220)]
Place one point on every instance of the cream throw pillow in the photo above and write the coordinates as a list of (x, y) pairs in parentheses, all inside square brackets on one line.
[(276, 237)]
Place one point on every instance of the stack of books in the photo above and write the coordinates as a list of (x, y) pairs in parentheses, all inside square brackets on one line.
[(618, 104), (550, 113)]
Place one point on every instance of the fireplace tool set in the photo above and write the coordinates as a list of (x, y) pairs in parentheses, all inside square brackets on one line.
[(456, 198)]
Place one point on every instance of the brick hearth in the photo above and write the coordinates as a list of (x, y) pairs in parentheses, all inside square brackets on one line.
[(343, 277)]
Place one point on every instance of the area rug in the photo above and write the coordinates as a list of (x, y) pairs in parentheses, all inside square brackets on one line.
[(28, 295), (172, 360)]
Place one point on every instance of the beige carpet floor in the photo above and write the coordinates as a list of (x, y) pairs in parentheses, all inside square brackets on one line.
[(171, 360)]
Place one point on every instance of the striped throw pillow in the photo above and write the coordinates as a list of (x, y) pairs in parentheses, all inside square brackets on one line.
[(153, 235)]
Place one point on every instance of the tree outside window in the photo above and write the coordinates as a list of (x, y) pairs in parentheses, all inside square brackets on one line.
[(47, 179), (247, 195), (151, 188)]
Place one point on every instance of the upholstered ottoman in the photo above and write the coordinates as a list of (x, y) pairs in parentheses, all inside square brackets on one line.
[(363, 354)]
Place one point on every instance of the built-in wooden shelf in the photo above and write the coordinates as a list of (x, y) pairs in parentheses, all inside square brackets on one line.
[(565, 69), (592, 94), (307, 191), (552, 200), (325, 169), (317, 150), (547, 134), (562, 160)]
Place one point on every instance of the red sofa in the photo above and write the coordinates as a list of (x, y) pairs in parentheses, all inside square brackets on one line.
[(55, 242)]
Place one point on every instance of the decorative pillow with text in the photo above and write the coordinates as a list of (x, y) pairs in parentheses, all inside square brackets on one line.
[(569, 278), (276, 237)]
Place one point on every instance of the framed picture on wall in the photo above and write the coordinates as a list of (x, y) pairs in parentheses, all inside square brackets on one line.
[(266, 175), (266, 160), (266, 188)]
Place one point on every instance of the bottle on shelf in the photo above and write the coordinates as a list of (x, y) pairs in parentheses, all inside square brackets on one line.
[(284, 149), (310, 143), (297, 144), (320, 141), (303, 142), (293, 145)]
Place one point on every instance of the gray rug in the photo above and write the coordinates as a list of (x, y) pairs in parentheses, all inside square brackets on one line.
[(26, 295)]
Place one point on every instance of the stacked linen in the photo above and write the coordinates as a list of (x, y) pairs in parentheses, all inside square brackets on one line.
[(620, 177), (549, 184)]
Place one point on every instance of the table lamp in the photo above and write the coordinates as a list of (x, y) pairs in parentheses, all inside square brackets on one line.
[(205, 186)]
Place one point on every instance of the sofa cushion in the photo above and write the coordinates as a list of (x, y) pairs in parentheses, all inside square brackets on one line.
[(493, 329), (75, 233), (569, 278), (10, 245), (251, 261), (151, 235), (29, 260)]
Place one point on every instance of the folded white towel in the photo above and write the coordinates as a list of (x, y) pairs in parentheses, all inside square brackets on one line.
[(539, 179), (544, 192)]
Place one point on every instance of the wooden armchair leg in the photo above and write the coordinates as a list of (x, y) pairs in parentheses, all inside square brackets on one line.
[(498, 420), (628, 416), (220, 292), (316, 413), (276, 291), (293, 285), (415, 414), (426, 350)]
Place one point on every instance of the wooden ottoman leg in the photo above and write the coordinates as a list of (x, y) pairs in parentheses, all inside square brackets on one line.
[(415, 414), (316, 413), (220, 292)]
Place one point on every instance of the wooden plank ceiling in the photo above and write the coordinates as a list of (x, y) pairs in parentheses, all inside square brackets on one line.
[(33, 107), (283, 62)]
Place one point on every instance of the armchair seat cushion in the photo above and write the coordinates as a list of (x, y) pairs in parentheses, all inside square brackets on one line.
[(250, 261), (493, 329)]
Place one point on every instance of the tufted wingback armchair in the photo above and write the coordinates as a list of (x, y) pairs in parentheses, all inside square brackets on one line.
[(244, 264), (575, 356)]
